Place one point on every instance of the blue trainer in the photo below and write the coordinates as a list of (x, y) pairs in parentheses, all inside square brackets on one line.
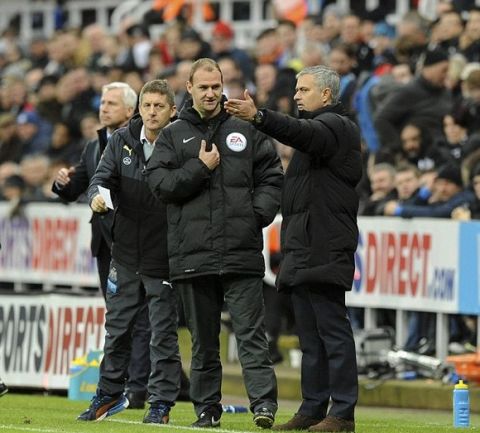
[(157, 414), (103, 406)]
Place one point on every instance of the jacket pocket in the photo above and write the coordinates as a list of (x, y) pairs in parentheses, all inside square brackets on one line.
[(295, 234)]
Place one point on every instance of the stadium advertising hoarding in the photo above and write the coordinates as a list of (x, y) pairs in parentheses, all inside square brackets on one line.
[(47, 243), (410, 264), (407, 264), (40, 336), (413, 264), (417, 264)]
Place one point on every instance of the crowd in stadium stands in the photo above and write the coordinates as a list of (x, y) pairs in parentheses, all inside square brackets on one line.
[(413, 88)]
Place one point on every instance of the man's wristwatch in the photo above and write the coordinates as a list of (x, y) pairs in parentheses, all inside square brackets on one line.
[(259, 117)]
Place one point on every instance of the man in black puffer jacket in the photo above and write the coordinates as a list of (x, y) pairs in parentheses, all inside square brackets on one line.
[(221, 179), (318, 240), (139, 267)]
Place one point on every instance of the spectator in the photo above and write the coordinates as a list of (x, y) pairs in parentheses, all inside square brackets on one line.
[(14, 96), (134, 56), (13, 188), (77, 97), (457, 144), (312, 54), (178, 77), (331, 23), (37, 52), (11, 147), (450, 28), (382, 182), (231, 74), (287, 34), (95, 37), (47, 105), (411, 39), (89, 126), (265, 78), (34, 170), (447, 194), (350, 35), (63, 146), (210, 267), (342, 59), (8, 169), (471, 96), (223, 45), (424, 101), (267, 48), (469, 41), (192, 46), (407, 185), (383, 49), (33, 133), (417, 149)]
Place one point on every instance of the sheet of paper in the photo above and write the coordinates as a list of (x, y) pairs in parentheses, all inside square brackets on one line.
[(105, 193)]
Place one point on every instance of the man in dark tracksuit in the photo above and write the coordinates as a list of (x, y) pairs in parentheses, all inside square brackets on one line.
[(117, 105), (139, 268), (221, 179), (318, 241)]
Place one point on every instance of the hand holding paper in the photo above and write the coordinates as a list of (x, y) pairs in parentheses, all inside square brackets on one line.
[(102, 201), (105, 193)]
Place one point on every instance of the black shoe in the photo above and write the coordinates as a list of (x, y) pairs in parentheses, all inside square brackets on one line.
[(157, 414), (136, 399), (3, 389), (208, 418), (263, 418), (103, 406)]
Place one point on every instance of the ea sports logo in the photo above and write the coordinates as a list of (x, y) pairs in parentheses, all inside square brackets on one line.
[(236, 141)]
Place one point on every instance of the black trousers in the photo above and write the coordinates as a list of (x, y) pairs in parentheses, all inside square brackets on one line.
[(125, 300), (203, 298), (329, 366), (139, 367)]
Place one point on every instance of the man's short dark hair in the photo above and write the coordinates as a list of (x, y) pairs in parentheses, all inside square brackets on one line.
[(159, 86), (207, 64)]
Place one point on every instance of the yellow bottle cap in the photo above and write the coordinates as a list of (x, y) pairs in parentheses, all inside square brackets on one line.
[(461, 385)]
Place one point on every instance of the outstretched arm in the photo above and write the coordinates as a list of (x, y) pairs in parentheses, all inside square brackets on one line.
[(243, 109)]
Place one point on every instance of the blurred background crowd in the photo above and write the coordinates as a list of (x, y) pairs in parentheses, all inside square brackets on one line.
[(411, 81)]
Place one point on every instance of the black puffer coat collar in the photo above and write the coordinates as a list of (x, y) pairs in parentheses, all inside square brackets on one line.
[(337, 108)]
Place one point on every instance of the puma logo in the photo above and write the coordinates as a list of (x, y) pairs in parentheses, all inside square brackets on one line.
[(128, 149)]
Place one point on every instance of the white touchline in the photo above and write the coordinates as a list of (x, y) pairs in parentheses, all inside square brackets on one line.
[(12, 427), (180, 427)]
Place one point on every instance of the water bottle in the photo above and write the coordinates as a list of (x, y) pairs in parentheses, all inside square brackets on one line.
[(230, 408), (461, 405)]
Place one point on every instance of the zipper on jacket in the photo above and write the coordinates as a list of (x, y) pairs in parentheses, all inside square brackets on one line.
[(212, 131)]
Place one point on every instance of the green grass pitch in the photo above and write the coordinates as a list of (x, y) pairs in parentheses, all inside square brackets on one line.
[(52, 414)]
